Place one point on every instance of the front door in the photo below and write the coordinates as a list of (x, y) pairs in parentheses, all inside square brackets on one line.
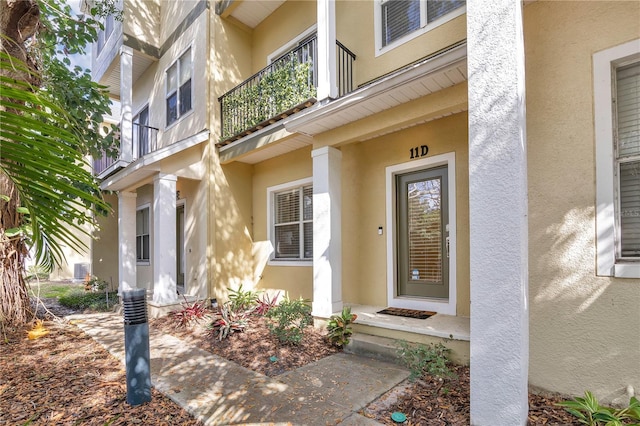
[(180, 246), (423, 264)]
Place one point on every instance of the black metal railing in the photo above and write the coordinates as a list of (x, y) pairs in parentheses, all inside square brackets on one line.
[(144, 141), (103, 163), (286, 84)]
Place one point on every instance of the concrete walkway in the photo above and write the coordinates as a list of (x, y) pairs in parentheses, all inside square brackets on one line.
[(221, 392)]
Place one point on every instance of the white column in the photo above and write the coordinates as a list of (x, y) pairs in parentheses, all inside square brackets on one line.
[(327, 232), (164, 239), (126, 241), (126, 103), (498, 213), (327, 67)]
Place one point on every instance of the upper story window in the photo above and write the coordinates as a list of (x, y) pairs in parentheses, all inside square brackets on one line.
[(617, 130), (400, 20), (142, 234), (179, 76), (105, 32), (291, 225)]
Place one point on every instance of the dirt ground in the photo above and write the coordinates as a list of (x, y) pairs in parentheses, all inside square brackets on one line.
[(67, 378)]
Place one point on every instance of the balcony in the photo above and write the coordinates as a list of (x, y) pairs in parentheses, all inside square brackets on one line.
[(144, 141), (285, 87)]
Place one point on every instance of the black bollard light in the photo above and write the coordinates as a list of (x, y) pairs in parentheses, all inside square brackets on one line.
[(136, 346)]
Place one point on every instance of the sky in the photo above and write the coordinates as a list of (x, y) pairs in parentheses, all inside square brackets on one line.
[(82, 60)]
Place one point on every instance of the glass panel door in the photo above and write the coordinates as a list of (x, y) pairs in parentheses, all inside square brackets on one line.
[(423, 260)]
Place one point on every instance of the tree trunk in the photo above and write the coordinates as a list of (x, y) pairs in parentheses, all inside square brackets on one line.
[(19, 21), (15, 307)]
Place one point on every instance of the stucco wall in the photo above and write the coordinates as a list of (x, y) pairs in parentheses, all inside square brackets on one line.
[(360, 39), (151, 86), (583, 328), (105, 247), (282, 26), (196, 120), (231, 245), (364, 206), (142, 19), (296, 280), (193, 194)]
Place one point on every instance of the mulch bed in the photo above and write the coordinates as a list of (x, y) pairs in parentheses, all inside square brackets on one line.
[(66, 378), (254, 347), (428, 401)]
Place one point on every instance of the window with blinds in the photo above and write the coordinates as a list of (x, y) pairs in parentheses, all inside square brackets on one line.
[(142, 235), (628, 161), (293, 223), (402, 17)]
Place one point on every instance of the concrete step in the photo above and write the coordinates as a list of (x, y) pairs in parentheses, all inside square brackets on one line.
[(367, 345)]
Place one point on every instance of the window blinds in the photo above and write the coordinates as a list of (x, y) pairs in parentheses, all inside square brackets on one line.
[(437, 9), (293, 225), (425, 230), (628, 159), (401, 17)]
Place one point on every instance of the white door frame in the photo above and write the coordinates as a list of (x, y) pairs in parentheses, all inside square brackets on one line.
[(442, 306)]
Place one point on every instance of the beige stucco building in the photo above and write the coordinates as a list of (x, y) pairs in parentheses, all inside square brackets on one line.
[(477, 159)]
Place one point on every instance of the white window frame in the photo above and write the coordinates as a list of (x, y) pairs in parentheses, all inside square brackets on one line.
[(271, 192), (167, 95), (291, 44), (140, 208), (446, 306), (604, 65), (424, 27), (104, 34)]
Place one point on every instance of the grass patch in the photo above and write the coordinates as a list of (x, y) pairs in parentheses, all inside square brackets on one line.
[(95, 301), (51, 290)]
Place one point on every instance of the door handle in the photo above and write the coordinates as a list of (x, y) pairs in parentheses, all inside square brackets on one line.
[(447, 246)]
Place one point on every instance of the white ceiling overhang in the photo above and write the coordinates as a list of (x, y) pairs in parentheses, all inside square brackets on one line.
[(143, 168), (248, 12), (439, 72)]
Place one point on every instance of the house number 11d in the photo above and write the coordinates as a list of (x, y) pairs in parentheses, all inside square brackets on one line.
[(419, 151)]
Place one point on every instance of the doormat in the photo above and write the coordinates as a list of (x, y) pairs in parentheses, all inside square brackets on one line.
[(409, 313)]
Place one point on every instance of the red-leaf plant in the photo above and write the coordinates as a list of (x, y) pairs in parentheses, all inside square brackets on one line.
[(190, 312), (266, 303)]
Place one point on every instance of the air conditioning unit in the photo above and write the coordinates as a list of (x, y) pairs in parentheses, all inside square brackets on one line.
[(80, 270)]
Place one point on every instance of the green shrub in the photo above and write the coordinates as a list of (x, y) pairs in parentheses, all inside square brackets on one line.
[(242, 300), (590, 412), (339, 327), (288, 320), (95, 284), (424, 359), (95, 301)]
